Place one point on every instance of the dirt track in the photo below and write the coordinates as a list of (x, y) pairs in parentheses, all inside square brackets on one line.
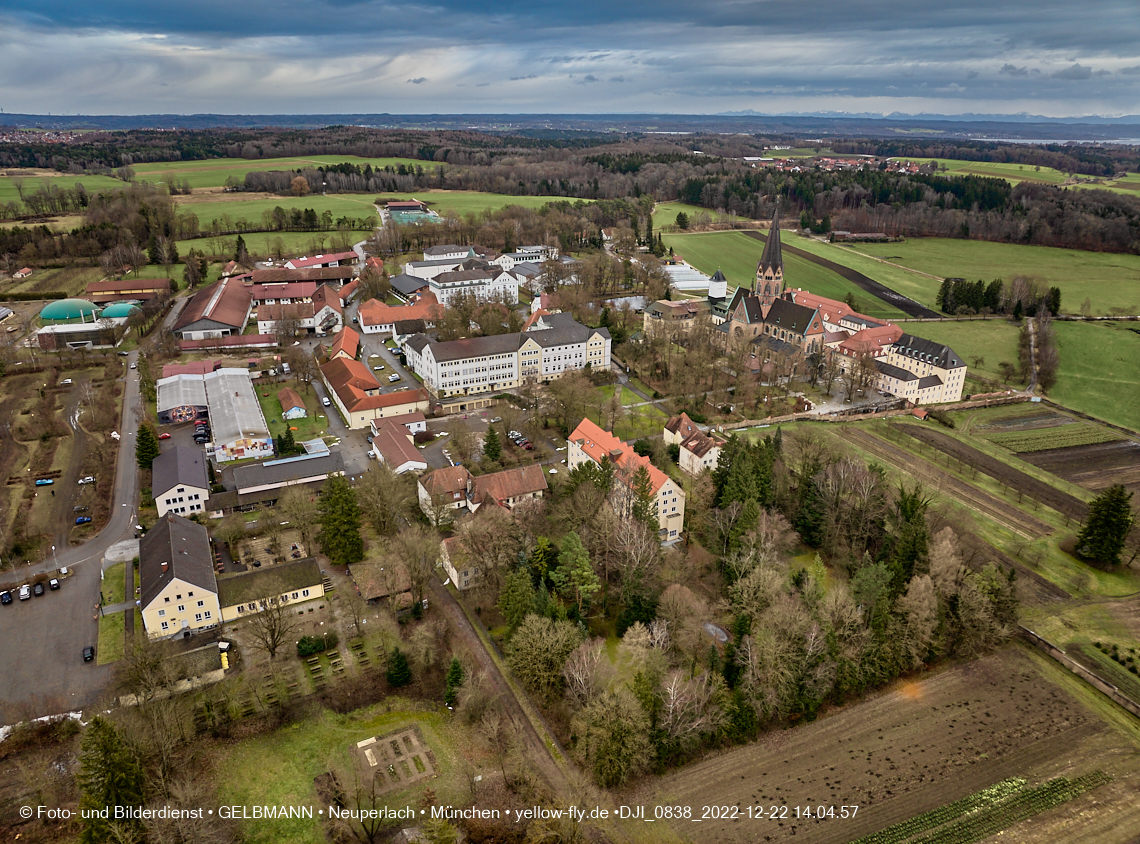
[(866, 283), (1062, 502)]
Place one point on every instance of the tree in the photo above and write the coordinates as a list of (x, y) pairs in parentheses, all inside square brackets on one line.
[(454, 680), (516, 598), (575, 575), (299, 186), (273, 625), (146, 446), (109, 775), (682, 220), (417, 549), (296, 505), (613, 737), (538, 651), (386, 499), (399, 673), (1110, 521), (492, 448), (340, 523)]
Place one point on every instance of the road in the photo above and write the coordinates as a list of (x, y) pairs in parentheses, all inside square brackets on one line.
[(42, 642)]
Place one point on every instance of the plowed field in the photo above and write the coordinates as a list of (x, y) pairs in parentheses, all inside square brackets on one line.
[(1060, 501), (1093, 466), (919, 746)]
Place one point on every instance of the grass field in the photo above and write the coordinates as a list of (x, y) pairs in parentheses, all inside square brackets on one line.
[(736, 255), (646, 420), (665, 214), (474, 202), (1016, 173), (251, 207), (92, 184), (1100, 370), (279, 768), (114, 584), (214, 172), (112, 628), (1108, 280), (313, 425), (995, 340)]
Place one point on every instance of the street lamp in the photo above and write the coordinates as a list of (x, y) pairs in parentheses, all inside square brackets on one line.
[(56, 559)]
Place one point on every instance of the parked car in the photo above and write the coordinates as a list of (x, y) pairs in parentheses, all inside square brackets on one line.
[(369, 438), (25, 592), (87, 480), (66, 382), (79, 509), (88, 654), (379, 368), (124, 354), (38, 590), (53, 584), (285, 368), (496, 419), (5, 597), (164, 436), (44, 482), (325, 401), (83, 520), (134, 365), (201, 440), (393, 378)]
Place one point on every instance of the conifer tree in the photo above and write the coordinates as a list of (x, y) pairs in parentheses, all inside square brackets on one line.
[(492, 448), (1109, 523), (399, 673), (109, 775), (146, 446), (455, 678), (340, 523)]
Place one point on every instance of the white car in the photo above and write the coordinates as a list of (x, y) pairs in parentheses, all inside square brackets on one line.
[(379, 368), (66, 381), (325, 401), (393, 378), (87, 480)]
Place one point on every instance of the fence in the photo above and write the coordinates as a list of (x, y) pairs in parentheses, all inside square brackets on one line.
[(1094, 680)]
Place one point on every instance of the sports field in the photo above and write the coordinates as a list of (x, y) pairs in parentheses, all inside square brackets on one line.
[(1110, 281), (213, 173), (736, 255)]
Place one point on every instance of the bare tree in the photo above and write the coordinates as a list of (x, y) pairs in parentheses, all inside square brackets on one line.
[(272, 625), (418, 549)]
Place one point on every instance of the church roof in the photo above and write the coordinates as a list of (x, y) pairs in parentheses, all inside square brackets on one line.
[(719, 276), (773, 257)]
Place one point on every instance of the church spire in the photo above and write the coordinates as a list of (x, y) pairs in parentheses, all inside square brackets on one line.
[(773, 258)]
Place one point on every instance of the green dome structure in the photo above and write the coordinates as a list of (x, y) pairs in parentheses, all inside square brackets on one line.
[(68, 310), (119, 310)]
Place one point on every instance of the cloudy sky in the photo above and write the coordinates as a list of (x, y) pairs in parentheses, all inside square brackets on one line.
[(1051, 57)]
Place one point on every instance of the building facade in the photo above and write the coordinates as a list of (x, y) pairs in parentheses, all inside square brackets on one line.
[(178, 592)]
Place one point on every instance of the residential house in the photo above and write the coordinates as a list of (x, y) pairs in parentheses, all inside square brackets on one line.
[(921, 371), (292, 405), (700, 451), (588, 442), (24, 272), (346, 345), (296, 584), (415, 422), (178, 593), (378, 318), (673, 318), (679, 428), (179, 481), (348, 292), (407, 287), (333, 260), (442, 492), (220, 309), (320, 315), (509, 487), (283, 293), (457, 564)]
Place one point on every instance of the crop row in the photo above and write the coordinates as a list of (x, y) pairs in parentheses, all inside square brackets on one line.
[(1021, 806), (984, 813), (1067, 437), (945, 814)]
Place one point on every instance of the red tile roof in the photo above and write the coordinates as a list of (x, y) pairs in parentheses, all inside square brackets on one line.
[(347, 342), (346, 292), (284, 290), (393, 443), (600, 445), (237, 341), (289, 399), (195, 367), (321, 260), (682, 425), (510, 483), (226, 302), (446, 481), (352, 381), (313, 274), (427, 308)]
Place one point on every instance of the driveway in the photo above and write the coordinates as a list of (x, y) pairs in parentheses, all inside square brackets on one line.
[(42, 642)]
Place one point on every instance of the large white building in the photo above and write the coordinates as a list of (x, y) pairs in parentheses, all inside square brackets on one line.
[(553, 345)]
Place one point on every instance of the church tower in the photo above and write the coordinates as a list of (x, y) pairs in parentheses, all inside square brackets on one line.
[(769, 285)]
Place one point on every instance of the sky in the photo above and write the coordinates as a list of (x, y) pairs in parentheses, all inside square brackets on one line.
[(1058, 58)]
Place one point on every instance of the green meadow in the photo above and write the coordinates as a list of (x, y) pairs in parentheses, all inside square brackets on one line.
[(1100, 370), (995, 340), (212, 173), (1110, 281), (665, 214), (736, 255), (67, 181), (475, 202)]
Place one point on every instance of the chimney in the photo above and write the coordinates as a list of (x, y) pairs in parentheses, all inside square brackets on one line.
[(165, 566)]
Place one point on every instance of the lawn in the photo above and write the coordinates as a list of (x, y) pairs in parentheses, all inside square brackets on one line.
[(252, 207), (278, 769), (736, 255), (1013, 173), (263, 244), (995, 340), (312, 426), (665, 214), (214, 172), (114, 584), (1108, 280), (646, 420), (111, 636), (474, 202), (1100, 370)]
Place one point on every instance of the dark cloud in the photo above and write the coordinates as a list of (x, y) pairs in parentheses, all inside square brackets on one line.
[(520, 78), (617, 79), (1078, 72), (1131, 71), (589, 77), (1011, 70), (419, 80)]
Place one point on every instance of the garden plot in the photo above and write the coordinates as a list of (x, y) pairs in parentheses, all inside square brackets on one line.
[(1094, 467), (396, 760)]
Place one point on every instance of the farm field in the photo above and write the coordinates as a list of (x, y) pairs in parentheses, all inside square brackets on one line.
[(262, 245), (71, 280), (993, 340), (475, 202), (1016, 173), (212, 173), (1108, 280), (909, 283), (665, 214), (736, 255), (1100, 370), (251, 206), (921, 745), (1093, 467)]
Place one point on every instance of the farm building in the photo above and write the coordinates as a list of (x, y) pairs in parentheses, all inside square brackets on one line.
[(68, 311), (127, 290), (219, 310)]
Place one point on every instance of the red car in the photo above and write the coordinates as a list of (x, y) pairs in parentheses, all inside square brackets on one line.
[(164, 436)]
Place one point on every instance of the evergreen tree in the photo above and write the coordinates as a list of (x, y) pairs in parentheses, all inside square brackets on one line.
[(1055, 300), (1018, 311), (517, 597), (1109, 523), (340, 523), (152, 255), (454, 680), (682, 223), (575, 576), (109, 775), (644, 499), (146, 446), (492, 448), (399, 673)]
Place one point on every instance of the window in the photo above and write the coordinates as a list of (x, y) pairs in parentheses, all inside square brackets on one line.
[(294, 596), (241, 608), (189, 594), (166, 625), (201, 603), (207, 614), (161, 613), (182, 608), (167, 599), (178, 597), (305, 592), (197, 616)]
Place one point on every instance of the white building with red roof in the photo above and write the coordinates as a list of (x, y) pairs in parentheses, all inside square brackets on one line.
[(590, 443), (333, 260)]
